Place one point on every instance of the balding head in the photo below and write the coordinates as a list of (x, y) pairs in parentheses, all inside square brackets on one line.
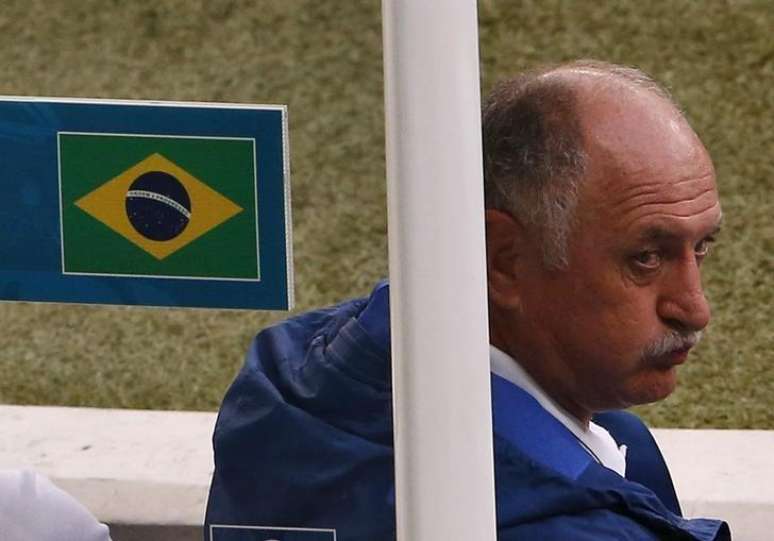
[(602, 205), (543, 129)]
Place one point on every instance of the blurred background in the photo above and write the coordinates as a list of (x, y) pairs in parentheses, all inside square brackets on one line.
[(323, 59)]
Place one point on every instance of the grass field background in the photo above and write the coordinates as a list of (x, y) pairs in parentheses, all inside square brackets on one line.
[(323, 59)]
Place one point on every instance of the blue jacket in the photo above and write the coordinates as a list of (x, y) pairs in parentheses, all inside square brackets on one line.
[(304, 440)]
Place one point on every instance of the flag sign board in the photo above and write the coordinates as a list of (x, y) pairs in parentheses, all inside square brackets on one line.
[(262, 533), (147, 203)]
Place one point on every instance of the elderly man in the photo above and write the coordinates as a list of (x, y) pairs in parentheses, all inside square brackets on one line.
[(601, 206)]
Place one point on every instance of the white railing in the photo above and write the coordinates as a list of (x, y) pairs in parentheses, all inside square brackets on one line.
[(147, 473)]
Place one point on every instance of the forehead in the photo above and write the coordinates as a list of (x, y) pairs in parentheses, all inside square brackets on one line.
[(647, 169)]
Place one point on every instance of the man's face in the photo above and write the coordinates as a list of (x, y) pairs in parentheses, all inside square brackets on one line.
[(620, 318)]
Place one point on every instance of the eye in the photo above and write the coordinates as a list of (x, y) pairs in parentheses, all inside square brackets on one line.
[(703, 247), (647, 260)]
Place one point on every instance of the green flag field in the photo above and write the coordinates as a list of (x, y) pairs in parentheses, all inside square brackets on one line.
[(214, 183), (323, 60)]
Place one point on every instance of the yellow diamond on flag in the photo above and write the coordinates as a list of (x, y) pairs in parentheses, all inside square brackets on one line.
[(158, 206)]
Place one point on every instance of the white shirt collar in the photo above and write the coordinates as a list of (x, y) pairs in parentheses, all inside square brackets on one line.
[(596, 440)]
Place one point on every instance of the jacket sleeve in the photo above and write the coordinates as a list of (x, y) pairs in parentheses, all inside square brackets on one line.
[(304, 435), (609, 525), (593, 525)]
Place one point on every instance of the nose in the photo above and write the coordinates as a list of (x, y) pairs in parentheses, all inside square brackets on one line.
[(682, 305)]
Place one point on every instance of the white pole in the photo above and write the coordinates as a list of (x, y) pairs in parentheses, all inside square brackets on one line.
[(443, 431)]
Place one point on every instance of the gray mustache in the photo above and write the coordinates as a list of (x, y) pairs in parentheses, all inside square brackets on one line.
[(671, 341)]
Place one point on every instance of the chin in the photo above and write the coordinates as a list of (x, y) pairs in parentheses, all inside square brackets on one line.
[(654, 386), (662, 384)]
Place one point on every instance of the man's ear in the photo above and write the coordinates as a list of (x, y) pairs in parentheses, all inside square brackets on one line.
[(505, 243)]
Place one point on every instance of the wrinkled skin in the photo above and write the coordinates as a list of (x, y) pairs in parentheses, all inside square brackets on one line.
[(647, 211)]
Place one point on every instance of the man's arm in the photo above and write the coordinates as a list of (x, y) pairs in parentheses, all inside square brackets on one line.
[(304, 434)]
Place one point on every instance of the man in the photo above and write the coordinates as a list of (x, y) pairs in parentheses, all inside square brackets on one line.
[(601, 206), (593, 259)]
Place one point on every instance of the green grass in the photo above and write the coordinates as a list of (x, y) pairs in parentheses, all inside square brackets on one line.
[(323, 59)]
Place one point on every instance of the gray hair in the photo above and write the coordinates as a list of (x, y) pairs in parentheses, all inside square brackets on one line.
[(534, 155)]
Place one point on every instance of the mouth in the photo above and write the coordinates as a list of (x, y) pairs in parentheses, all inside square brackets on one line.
[(671, 350), (673, 358), (679, 356)]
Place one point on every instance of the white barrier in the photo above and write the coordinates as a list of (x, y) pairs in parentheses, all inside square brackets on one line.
[(146, 473), (727, 474)]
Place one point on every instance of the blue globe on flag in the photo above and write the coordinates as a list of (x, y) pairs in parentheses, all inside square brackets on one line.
[(158, 206)]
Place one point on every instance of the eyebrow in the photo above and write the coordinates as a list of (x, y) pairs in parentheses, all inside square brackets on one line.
[(659, 233)]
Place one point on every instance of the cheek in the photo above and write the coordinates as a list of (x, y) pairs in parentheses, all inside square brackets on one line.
[(596, 317), (614, 336), (609, 290), (619, 321)]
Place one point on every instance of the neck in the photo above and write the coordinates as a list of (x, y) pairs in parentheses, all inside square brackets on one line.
[(549, 376)]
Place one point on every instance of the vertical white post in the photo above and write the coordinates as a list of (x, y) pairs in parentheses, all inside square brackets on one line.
[(443, 432)]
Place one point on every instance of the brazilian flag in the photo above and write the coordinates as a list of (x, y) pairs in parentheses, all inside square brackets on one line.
[(158, 206)]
